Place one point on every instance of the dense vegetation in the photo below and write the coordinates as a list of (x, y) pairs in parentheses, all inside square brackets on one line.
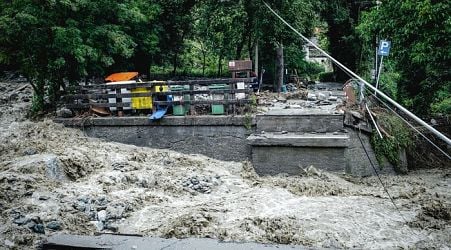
[(55, 43), (421, 58)]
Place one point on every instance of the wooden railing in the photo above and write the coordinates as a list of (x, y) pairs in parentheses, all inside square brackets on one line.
[(89, 96)]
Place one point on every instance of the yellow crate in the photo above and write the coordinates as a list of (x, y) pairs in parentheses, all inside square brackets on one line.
[(146, 102), (161, 88), (141, 102)]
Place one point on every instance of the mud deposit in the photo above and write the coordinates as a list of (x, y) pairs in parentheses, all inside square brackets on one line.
[(55, 180)]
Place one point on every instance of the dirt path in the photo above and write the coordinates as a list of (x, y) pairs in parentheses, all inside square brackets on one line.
[(55, 180)]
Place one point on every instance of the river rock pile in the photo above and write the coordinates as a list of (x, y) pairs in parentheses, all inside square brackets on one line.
[(201, 184), (101, 212)]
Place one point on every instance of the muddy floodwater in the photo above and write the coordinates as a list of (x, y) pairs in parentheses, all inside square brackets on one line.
[(55, 180)]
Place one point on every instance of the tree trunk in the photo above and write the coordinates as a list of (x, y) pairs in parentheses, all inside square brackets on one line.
[(240, 45), (256, 60), (219, 65), (204, 56), (174, 71), (279, 67)]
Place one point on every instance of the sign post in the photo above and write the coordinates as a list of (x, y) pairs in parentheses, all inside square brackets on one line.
[(384, 50)]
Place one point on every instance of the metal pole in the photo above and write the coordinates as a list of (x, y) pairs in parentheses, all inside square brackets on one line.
[(374, 121), (377, 57), (379, 75), (413, 116)]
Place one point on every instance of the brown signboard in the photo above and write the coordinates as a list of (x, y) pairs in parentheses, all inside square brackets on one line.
[(240, 65)]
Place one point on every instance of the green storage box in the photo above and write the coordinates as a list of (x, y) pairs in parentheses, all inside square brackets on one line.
[(180, 110), (218, 109)]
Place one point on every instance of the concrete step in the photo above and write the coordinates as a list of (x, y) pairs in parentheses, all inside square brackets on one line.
[(274, 153), (297, 121)]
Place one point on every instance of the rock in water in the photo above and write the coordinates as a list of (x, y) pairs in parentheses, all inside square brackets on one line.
[(98, 225), (54, 225), (9, 243), (38, 228), (22, 220), (54, 168), (30, 151), (101, 215)]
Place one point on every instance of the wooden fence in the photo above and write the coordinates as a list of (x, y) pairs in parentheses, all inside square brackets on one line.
[(91, 96)]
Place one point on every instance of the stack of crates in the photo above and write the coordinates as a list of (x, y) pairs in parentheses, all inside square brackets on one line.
[(181, 109)]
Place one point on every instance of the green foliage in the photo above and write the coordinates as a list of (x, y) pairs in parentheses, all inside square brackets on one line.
[(421, 51), (389, 78), (295, 59), (344, 45), (248, 116), (230, 30), (390, 146), (443, 106), (55, 43)]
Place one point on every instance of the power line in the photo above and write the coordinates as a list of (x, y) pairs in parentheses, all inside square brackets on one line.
[(354, 75), (402, 118), (405, 121), (380, 180), (415, 129)]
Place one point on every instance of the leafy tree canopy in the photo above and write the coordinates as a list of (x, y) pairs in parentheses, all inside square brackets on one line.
[(59, 41), (421, 51)]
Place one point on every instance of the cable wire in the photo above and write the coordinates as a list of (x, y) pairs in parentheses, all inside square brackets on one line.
[(380, 180), (344, 69), (415, 129), (413, 116)]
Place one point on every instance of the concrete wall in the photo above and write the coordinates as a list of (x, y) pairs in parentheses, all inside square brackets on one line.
[(219, 137), (357, 162), (291, 160), (219, 142), (305, 123), (224, 138)]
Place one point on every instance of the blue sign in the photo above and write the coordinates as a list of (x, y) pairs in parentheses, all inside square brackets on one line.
[(384, 48)]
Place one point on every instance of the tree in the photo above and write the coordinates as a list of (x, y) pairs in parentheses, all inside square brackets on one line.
[(55, 43), (421, 51), (175, 23), (342, 16), (219, 25), (301, 14)]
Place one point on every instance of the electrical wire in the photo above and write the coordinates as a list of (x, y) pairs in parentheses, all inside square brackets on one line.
[(413, 127), (402, 118), (354, 75), (380, 180)]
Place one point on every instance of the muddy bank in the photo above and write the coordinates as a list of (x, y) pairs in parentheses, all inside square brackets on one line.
[(55, 180)]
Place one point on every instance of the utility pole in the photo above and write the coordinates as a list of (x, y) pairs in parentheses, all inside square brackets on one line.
[(256, 59), (280, 66)]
